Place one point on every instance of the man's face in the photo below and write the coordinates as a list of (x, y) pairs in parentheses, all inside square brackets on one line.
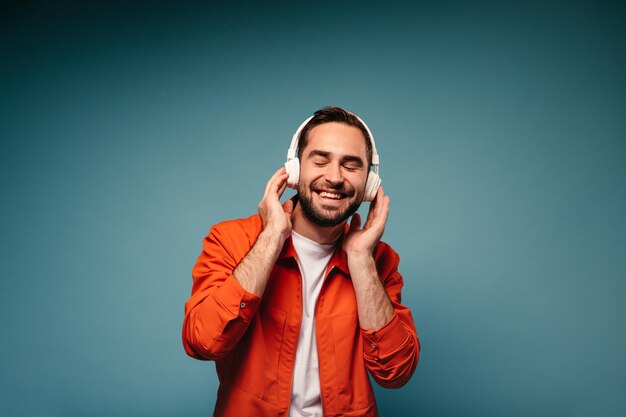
[(333, 173)]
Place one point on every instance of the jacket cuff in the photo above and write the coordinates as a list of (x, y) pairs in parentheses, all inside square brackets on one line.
[(388, 338), (235, 299)]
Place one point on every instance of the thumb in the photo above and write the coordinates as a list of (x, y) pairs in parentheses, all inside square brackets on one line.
[(355, 223), (288, 207)]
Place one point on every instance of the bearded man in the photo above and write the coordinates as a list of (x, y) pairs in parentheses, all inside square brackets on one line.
[(295, 305)]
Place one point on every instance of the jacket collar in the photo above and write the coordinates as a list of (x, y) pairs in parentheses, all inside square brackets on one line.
[(339, 258)]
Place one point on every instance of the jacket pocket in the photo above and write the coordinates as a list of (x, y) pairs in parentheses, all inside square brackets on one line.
[(258, 354), (354, 389)]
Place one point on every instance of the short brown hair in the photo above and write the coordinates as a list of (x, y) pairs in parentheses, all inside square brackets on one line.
[(334, 114)]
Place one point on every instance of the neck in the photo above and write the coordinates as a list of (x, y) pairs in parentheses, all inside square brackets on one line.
[(305, 227)]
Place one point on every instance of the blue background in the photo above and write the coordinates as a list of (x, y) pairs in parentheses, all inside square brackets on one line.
[(127, 131)]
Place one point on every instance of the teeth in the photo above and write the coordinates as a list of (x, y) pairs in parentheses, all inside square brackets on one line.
[(330, 195)]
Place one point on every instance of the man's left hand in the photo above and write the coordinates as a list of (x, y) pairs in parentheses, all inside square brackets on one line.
[(361, 242)]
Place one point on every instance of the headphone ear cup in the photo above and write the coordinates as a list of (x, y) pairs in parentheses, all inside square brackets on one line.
[(293, 169), (371, 187)]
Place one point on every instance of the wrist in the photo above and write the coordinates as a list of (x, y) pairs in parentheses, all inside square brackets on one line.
[(359, 257), (360, 260), (271, 237)]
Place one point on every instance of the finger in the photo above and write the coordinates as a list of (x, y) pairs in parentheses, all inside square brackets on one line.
[(355, 223), (281, 171), (374, 212), (279, 184), (269, 182), (282, 188), (273, 188), (370, 217), (371, 213), (384, 215), (377, 198), (288, 207)]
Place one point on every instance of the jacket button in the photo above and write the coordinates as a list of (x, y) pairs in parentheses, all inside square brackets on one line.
[(242, 305), (373, 345)]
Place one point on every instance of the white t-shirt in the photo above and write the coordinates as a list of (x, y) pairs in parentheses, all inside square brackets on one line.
[(313, 259)]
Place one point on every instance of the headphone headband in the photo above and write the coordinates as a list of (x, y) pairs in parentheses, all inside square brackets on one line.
[(293, 148)]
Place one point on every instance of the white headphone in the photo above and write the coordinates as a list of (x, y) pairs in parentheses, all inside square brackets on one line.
[(293, 163)]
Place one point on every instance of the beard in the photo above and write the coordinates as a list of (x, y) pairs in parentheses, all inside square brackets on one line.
[(328, 216)]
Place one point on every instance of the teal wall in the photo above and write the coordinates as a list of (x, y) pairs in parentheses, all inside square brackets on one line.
[(127, 131)]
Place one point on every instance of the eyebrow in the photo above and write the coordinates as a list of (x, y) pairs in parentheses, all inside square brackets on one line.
[(346, 158)]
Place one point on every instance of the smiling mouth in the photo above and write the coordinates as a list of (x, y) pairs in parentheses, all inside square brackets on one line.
[(331, 195)]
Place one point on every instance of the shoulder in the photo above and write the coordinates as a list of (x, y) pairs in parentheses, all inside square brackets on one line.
[(246, 225), (233, 238), (243, 229), (387, 259), (383, 251)]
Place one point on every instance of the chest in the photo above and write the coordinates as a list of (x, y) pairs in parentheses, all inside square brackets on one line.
[(284, 293)]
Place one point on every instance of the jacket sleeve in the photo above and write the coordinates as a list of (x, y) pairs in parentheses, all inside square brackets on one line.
[(219, 310), (391, 352)]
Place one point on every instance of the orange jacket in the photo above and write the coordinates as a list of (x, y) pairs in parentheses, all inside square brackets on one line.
[(253, 340)]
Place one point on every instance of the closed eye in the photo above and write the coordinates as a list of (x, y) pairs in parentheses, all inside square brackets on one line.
[(352, 163)]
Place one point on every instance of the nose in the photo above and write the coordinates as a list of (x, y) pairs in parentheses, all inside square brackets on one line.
[(333, 175)]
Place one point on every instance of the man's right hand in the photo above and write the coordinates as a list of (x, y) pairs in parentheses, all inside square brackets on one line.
[(276, 217), (254, 269)]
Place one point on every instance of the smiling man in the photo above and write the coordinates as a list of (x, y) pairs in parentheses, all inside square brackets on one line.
[(294, 304)]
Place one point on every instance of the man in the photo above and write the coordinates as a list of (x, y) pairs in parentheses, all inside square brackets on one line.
[(294, 305)]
